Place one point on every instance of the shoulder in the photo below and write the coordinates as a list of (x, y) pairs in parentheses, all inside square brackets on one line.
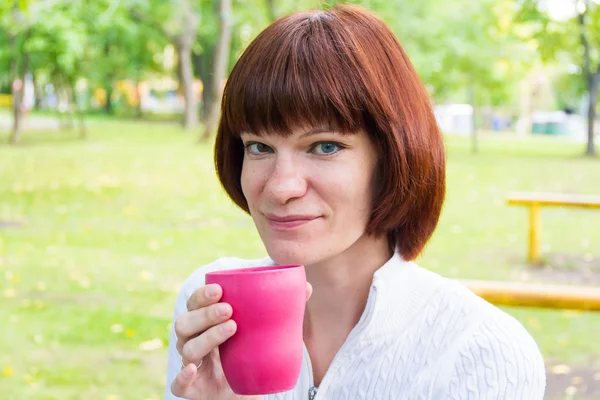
[(196, 278), (450, 299), (492, 355), (481, 321), (496, 358)]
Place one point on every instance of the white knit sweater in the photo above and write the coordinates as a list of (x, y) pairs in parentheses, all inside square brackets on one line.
[(421, 336)]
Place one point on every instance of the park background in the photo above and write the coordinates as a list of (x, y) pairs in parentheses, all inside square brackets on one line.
[(109, 200)]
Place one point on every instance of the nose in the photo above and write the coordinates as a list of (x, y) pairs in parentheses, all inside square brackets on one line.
[(286, 181)]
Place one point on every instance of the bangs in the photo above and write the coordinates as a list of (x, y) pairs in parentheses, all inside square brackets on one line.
[(298, 73)]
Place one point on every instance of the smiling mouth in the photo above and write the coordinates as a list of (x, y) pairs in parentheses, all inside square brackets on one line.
[(290, 221)]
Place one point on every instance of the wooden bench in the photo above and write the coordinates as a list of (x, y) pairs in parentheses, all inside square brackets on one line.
[(537, 200), (518, 294)]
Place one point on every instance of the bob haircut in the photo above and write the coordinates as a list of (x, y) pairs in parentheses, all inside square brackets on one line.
[(342, 68)]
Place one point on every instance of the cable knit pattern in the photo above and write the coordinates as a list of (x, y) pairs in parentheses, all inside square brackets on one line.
[(421, 337)]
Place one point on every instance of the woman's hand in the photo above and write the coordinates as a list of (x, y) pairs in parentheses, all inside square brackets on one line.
[(199, 332)]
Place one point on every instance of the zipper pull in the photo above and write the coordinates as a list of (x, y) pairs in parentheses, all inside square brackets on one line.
[(312, 392)]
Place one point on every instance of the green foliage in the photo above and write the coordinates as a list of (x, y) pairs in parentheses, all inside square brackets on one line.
[(569, 89), (57, 44), (560, 39), (489, 45), (67, 40), (120, 48)]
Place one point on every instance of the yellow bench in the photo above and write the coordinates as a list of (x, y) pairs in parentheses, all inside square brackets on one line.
[(518, 294), (5, 100), (537, 200)]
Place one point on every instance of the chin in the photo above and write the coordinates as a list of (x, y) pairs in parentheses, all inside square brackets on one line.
[(293, 253)]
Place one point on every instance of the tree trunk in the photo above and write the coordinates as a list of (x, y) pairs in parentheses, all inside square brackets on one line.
[(75, 108), (60, 103), (15, 134), (138, 108), (203, 63), (190, 118), (69, 111), (65, 109), (108, 106), (184, 41), (38, 94), (592, 79), (208, 82), (16, 86), (18, 95), (220, 68), (474, 138), (593, 84)]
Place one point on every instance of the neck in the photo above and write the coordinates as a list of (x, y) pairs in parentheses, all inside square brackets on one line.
[(341, 287)]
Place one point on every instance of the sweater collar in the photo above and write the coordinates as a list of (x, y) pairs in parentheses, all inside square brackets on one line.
[(399, 291)]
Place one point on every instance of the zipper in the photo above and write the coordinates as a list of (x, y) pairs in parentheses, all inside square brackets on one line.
[(359, 328), (312, 391)]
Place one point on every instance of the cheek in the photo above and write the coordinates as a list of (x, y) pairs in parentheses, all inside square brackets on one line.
[(360, 188), (246, 183), (251, 181), (348, 187)]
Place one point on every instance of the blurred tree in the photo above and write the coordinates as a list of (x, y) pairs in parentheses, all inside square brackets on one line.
[(569, 88), (47, 43), (178, 22), (576, 36), (588, 19), (17, 27), (220, 69), (58, 45), (461, 46), (120, 49)]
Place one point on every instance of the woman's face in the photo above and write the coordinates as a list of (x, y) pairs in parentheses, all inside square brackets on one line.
[(309, 194)]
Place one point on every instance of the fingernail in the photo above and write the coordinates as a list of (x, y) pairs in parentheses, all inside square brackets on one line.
[(222, 310), (212, 291), (228, 327), (188, 372)]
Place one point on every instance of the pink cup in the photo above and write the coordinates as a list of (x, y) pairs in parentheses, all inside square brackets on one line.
[(264, 356)]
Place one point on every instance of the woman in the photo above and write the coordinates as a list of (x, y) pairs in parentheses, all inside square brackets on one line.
[(328, 140)]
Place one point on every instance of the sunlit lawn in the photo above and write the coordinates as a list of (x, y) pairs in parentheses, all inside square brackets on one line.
[(102, 233)]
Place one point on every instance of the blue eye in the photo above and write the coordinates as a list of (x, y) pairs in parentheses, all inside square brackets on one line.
[(257, 148), (327, 148)]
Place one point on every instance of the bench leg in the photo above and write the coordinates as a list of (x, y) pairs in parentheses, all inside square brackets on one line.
[(534, 229)]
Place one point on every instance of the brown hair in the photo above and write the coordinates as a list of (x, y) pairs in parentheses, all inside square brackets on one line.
[(341, 68)]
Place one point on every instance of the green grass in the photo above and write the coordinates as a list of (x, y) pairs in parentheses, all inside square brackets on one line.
[(111, 227)]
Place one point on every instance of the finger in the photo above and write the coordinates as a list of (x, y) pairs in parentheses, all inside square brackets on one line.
[(205, 296), (197, 321), (197, 348), (309, 290), (183, 380), (194, 323)]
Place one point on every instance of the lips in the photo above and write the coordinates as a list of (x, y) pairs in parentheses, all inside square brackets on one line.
[(289, 221)]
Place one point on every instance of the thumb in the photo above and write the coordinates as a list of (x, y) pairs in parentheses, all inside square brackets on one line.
[(183, 380), (309, 290)]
